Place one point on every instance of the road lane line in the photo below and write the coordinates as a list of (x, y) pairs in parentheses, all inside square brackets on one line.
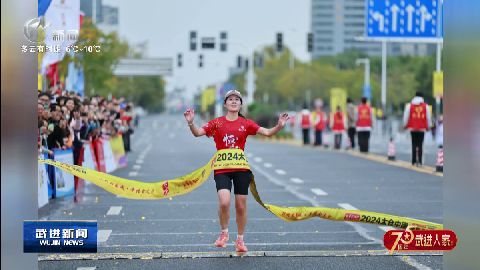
[(258, 159), (231, 232), (296, 180), (139, 161), (114, 211), (386, 228), (268, 165), (87, 268), (281, 172), (347, 206), (134, 173), (137, 167), (319, 192), (222, 254), (103, 235)]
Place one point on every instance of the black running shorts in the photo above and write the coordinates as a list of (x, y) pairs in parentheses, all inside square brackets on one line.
[(241, 181)]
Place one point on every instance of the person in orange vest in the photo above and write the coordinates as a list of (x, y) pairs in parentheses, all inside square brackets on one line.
[(417, 119), (320, 123), (364, 120), (306, 124), (338, 126)]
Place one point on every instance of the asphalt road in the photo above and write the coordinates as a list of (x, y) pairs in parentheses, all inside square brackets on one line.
[(179, 233)]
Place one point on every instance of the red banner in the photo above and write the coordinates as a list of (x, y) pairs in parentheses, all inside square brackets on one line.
[(419, 240), (99, 155)]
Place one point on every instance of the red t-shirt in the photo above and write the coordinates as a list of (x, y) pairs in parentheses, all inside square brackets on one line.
[(230, 134)]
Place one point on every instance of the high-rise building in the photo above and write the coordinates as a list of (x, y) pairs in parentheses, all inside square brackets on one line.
[(91, 8), (336, 23), (109, 21), (106, 17)]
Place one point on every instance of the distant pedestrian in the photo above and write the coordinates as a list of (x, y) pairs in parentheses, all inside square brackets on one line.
[(351, 122), (417, 119), (306, 124), (320, 123), (338, 127), (364, 120), (231, 132)]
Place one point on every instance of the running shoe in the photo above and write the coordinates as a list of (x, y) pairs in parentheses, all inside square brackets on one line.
[(222, 240), (240, 246)]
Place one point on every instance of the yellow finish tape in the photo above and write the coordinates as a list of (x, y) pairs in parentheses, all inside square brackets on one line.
[(230, 159)]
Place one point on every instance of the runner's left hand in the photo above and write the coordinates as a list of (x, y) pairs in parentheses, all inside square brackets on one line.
[(282, 120)]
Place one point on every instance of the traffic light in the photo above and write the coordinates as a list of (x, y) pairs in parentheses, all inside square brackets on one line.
[(193, 40), (310, 42), (223, 41), (179, 60), (239, 61), (279, 42), (200, 60)]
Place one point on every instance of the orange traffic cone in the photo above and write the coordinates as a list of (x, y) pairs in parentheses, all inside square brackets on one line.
[(439, 167), (391, 150)]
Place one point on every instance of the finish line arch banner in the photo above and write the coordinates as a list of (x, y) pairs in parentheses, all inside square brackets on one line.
[(233, 159), (64, 181)]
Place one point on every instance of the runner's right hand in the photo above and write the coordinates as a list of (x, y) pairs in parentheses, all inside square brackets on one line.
[(189, 115)]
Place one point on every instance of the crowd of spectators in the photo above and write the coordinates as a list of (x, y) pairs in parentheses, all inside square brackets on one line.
[(68, 120)]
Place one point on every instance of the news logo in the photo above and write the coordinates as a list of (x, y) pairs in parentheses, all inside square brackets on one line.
[(419, 240), (60, 236)]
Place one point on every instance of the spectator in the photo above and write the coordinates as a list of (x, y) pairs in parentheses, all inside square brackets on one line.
[(351, 123)]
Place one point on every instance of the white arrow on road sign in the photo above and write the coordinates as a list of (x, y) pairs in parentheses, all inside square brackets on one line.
[(410, 9), (426, 16), (381, 20), (395, 10)]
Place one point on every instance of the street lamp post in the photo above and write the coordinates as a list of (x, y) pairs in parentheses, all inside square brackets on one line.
[(366, 86)]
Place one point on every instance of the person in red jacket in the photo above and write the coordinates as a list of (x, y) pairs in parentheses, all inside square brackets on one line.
[(364, 120), (338, 127), (305, 124), (231, 131), (320, 123), (417, 119)]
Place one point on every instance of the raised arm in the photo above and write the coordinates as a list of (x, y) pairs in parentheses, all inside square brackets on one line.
[(189, 116), (268, 132)]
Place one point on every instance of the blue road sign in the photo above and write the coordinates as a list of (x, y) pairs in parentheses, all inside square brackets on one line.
[(404, 18)]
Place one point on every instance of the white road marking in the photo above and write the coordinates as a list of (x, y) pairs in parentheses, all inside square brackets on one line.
[(347, 206), (137, 167), (319, 192), (335, 243), (268, 165), (386, 228), (249, 155), (103, 235), (134, 173), (87, 268), (281, 172), (258, 159), (231, 232), (139, 161), (114, 211), (296, 180)]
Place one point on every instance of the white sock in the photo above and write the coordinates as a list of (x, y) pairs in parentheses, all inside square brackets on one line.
[(240, 237), (225, 231)]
